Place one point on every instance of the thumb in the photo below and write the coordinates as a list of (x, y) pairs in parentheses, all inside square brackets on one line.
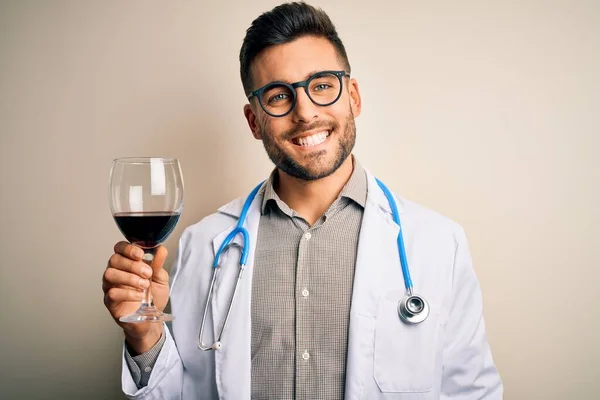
[(159, 275)]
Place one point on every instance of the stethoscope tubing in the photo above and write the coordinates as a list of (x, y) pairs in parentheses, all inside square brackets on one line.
[(396, 217), (239, 229), (405, 306)]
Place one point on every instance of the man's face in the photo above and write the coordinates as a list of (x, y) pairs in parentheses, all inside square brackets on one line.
[(312, 141)]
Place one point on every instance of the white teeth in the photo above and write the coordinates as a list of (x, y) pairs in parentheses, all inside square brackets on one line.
[(312, 140)]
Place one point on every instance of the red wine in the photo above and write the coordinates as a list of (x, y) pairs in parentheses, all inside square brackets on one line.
[(146, 229)]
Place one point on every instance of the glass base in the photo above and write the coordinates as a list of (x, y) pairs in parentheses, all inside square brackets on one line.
[(147, 314)]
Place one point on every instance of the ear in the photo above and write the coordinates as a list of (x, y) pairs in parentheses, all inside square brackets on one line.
[(252, 121), (355, 100)]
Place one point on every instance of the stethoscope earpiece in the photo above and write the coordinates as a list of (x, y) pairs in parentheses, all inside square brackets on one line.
[(413, 309)]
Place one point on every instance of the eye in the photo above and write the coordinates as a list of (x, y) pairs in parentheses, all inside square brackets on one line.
[(322, 86), (278, 97)]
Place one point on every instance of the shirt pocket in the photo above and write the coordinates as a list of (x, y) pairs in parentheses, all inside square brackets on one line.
[(404, 353)]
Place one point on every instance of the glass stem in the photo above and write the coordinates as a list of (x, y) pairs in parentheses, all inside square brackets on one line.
[(147, 300)]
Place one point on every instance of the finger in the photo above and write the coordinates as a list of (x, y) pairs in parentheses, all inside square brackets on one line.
[(117, 296), (106, 287), (119, 262), (128, 250), (159, 257), (115, 277), (159, 275)]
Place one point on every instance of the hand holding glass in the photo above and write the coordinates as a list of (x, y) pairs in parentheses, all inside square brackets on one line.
[(146, 200)]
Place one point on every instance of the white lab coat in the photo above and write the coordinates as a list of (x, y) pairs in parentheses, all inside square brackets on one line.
[(445, 357)]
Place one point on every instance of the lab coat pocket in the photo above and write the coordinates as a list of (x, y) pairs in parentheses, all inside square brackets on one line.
[(404, 353)]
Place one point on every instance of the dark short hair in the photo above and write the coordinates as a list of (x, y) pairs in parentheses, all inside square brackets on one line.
[(283, 24)]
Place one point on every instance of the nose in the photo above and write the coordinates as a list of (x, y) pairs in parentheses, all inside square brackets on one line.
[(305, 110)]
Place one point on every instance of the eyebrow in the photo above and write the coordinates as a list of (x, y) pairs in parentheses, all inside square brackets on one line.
[(306, 77)]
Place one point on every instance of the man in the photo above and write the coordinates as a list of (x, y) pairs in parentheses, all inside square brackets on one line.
[(315, 316)]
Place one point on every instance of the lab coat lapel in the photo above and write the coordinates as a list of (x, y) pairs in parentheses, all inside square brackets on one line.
[(376, 250), (377, 253), (232, 361)]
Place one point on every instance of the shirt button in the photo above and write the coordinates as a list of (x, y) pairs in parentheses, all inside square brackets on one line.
[(148, 369), (305, 355), (305, 292), (307, 235)]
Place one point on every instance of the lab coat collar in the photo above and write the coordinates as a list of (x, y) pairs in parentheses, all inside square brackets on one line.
[(375, 196), (376, 248)]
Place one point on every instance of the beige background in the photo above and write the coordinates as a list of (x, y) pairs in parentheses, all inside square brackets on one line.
[(485, 111)]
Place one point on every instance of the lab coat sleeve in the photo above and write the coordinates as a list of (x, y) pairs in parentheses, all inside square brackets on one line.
[(468, 368), (166, 379)]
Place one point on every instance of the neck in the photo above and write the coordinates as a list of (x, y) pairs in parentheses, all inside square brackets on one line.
[(310, 199)]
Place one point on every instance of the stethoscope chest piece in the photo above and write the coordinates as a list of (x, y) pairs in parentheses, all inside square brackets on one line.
[(413, 309)]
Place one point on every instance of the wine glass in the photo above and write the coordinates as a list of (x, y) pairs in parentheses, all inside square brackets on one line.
[(146, 200)]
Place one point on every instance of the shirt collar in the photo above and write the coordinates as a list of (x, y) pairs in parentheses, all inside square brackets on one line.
[(355, 189)]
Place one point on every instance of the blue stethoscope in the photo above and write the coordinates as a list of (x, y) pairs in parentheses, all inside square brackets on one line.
[(412, 309)]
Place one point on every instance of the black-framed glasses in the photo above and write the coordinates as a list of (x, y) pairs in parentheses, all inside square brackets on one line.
[(278, 99)]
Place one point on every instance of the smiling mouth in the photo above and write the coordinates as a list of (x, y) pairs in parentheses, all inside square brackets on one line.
[(312, 140)]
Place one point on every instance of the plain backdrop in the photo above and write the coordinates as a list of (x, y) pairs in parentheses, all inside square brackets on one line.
[(486, 111)]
